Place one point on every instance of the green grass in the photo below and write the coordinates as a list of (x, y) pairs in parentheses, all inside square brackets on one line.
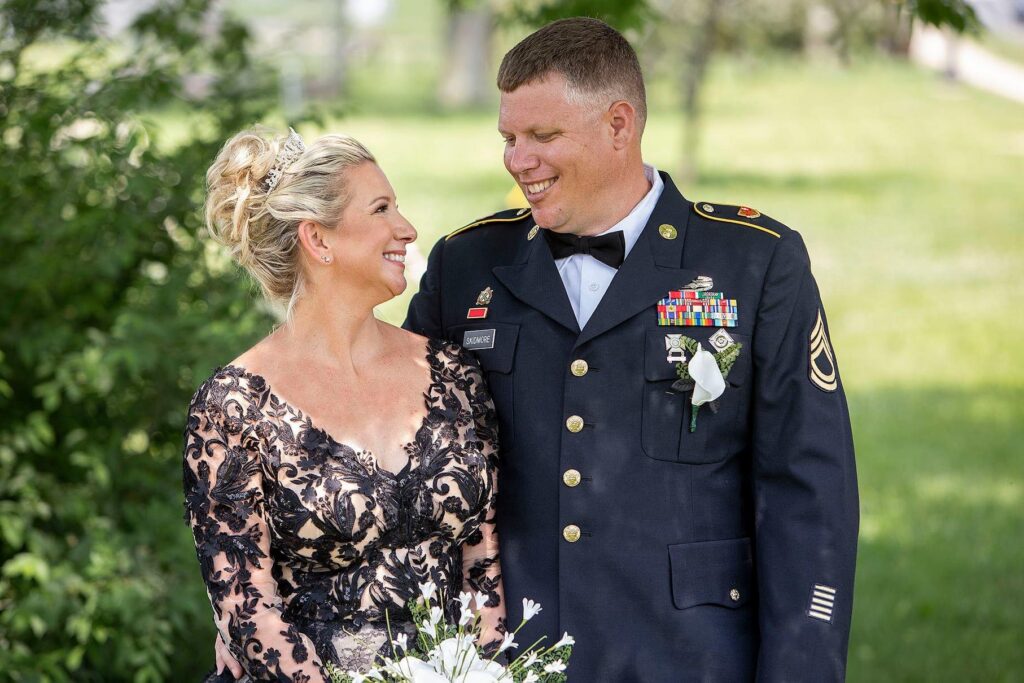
[(907, 191)]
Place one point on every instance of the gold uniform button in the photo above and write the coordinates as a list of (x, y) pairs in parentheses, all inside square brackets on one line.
[(667, 231), (533, 232), (579, 367), (571, 478), (734, 595), (571, 533), (574, 424)]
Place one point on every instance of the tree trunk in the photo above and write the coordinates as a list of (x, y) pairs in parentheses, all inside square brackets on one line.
[(466, 79), (898, 23), (694, 76)]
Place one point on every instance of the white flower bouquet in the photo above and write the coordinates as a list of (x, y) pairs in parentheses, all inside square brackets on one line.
[(442, 652)]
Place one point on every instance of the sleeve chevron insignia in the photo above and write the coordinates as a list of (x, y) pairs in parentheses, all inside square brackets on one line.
[(823, 366)]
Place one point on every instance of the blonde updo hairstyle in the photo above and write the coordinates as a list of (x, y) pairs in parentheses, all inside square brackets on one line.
[(261, 228)]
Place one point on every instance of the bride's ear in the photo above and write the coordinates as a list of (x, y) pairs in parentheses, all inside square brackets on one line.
[(312, 238)]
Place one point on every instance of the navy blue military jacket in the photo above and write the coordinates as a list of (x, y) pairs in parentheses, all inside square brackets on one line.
[(722, 554)]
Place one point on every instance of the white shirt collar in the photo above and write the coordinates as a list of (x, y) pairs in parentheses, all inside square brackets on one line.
[(633, 224)]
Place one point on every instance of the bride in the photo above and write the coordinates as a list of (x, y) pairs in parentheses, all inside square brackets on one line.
[(341, 462)]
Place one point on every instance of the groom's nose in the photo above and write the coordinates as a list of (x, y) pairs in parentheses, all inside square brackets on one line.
[(520, 158)]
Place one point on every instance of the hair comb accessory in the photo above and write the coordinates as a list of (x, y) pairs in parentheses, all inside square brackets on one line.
[(291, 150)]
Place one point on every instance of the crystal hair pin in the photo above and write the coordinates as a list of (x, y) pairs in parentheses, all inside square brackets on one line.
[(291, 150)]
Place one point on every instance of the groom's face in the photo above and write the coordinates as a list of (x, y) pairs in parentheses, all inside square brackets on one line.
[(559, 152)]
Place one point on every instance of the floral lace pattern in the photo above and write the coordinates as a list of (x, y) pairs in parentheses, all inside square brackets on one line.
[(302, 540)]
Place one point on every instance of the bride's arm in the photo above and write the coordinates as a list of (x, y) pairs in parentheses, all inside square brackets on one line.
[(480, 559), (225, 508)]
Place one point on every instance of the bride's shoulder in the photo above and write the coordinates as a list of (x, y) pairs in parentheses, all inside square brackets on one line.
[(234, 382)]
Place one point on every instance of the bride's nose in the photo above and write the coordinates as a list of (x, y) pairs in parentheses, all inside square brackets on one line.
[(404, 231)]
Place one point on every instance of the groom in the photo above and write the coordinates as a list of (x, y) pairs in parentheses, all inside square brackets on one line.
[(678, 486)]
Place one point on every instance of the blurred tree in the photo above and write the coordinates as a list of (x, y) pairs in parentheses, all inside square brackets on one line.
[(699, 27), (113, 310), (466, 80), (847, 14)]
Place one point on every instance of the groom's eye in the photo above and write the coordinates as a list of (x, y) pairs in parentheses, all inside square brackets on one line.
[(544, 137)]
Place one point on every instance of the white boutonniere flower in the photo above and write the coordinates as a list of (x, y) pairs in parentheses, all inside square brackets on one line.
[(705, 374), (708, 381)]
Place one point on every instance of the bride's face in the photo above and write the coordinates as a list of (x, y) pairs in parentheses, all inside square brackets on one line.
[(370, 240)]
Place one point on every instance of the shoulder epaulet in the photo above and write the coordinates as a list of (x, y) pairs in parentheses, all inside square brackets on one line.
[(508, 216), (740, 215)]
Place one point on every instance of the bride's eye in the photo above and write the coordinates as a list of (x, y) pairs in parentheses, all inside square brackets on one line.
[(381, 209)]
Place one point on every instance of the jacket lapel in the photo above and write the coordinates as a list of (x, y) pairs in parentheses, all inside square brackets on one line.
[(537, 284), (650, 270)]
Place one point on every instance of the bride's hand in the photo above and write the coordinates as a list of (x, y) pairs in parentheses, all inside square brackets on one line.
[(225, 659)]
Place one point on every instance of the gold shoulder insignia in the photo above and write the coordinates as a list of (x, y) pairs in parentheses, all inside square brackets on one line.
[(740, 215), (509, 216)]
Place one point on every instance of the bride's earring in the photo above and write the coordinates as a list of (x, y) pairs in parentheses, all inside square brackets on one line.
[(325, 258)]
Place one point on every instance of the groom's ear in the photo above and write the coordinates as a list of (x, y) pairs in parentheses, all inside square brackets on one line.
[(622, 119)]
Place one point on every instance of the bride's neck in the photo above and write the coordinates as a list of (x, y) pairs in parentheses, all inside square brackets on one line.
[(336, 333)]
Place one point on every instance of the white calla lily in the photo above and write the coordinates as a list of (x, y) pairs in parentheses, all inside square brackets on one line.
[(707, 378)]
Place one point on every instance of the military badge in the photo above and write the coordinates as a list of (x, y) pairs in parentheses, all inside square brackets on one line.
[(700, 283), (483, 299), (705, 373), (674, 346), (823, 600), (747, 212), (823, 363), (695, 305), (721, 340)]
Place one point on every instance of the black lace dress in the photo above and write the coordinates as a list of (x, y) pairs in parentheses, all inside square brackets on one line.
[(305, 543)]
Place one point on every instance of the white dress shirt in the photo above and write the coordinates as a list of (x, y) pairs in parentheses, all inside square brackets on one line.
[(585, 278)]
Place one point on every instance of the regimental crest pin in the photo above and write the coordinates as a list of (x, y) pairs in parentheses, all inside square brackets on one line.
[(701, 283), (482, 300), (675, 348), (747, 212)]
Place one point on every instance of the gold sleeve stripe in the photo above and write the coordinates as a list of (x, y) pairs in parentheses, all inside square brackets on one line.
[(520, 215), (696, 207), (820, 346)]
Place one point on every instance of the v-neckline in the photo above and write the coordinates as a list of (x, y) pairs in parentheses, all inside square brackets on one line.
[(431, 351)]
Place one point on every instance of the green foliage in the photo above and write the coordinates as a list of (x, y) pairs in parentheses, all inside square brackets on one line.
[(113, 311), (622, 14), (955, 14)]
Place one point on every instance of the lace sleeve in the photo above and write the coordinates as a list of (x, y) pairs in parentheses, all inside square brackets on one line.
[(225, 507), (480, 560)]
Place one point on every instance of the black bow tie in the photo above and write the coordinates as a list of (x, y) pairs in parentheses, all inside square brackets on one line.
[(609, 248)]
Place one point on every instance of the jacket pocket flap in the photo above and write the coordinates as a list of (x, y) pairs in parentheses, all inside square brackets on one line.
[(493, 343), (712, 573)]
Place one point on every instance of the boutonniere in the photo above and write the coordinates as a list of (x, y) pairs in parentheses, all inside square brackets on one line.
[(704, 374)]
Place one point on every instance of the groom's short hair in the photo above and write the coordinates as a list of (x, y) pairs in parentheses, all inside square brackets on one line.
[(596, 61)]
